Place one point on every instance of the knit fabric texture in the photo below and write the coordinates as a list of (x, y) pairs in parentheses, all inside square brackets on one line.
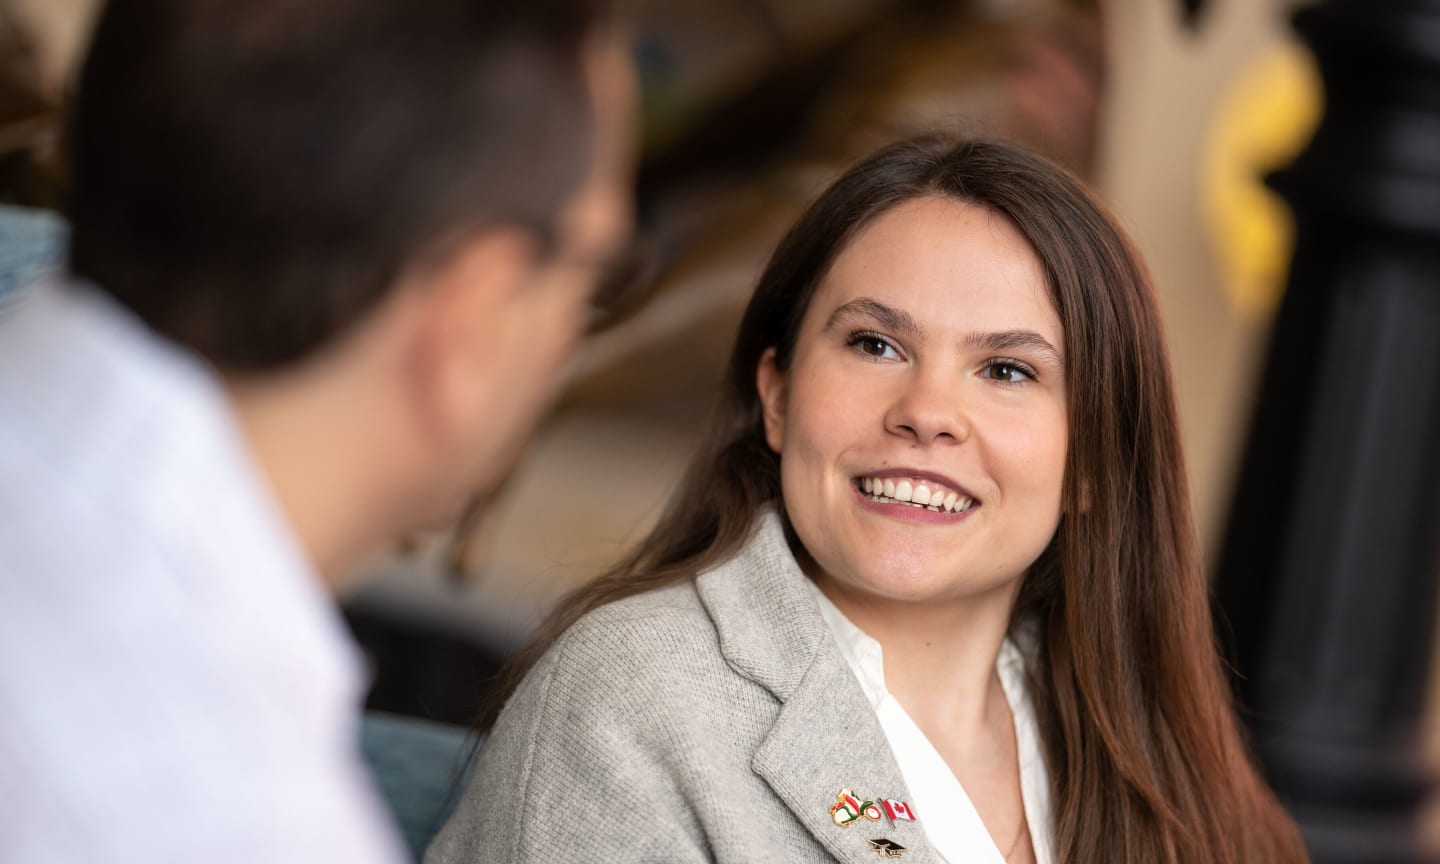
[(713, 720)]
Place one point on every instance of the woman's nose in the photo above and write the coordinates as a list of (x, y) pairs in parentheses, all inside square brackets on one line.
[(930, 409)]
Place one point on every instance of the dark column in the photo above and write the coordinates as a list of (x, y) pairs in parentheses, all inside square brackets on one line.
[(1328, 575)]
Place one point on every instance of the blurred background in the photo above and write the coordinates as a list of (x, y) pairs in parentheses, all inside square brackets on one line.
[(750, 107), (1175, 112)]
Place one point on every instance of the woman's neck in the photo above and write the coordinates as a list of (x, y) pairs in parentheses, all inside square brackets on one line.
[(939, 656)]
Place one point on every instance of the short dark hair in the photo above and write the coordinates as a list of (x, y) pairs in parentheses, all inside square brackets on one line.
[(252, 177)]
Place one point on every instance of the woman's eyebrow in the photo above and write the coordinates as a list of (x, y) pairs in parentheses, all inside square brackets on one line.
[(892, 319), (1009, 340), (901, 322)]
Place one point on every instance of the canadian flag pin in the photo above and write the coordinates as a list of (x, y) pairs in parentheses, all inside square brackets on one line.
[(897, 810)]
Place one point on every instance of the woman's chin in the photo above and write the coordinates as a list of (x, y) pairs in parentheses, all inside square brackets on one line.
[(892, 589)]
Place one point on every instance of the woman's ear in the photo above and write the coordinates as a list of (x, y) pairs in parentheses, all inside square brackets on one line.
[(770, 382)]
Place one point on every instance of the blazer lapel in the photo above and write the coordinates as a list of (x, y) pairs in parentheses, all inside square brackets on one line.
[(826, 738)]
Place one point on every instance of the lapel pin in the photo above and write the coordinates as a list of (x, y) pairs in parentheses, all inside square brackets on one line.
[(898, 810), (849, 807), (886, 848)]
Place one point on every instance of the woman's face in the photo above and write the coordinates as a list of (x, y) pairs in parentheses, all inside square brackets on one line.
[(921, 426)]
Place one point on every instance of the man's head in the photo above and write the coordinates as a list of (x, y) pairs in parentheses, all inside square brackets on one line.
[(382, 213)]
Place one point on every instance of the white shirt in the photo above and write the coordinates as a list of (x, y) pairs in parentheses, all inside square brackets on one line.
[(939, 801), (175, 683)]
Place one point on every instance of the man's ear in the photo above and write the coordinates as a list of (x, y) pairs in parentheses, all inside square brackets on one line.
[(770, 382), (462, 303)]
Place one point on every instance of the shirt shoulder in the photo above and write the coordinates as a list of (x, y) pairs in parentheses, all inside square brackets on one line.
[(172, 674)]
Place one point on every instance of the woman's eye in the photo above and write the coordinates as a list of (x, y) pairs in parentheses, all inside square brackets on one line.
[(1007, 373), (874, 346)]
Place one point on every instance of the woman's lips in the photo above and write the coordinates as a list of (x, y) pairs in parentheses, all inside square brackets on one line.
[(911, 511), (919, 488)]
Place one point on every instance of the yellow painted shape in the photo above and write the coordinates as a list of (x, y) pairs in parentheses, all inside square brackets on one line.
[(1262, 124)]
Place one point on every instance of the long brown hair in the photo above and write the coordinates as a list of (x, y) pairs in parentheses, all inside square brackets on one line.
[(1145, 756)]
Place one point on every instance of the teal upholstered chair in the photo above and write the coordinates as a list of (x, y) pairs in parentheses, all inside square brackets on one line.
[(32, 243), (421, 768)]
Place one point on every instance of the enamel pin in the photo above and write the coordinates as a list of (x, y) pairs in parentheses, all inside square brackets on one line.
[(898, 810), (849, 807), (886, 848)]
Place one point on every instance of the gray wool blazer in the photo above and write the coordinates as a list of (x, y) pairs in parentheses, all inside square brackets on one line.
[(714, 720)]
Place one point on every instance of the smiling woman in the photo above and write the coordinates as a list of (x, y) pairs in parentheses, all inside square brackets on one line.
[(930, 590), (926, 361)]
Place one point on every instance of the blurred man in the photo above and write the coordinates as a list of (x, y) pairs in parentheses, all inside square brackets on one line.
[(328, 257)]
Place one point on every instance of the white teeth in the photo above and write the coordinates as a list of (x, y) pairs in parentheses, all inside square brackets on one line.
[(917, 494)]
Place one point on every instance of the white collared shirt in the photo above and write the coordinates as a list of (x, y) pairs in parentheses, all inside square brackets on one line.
[(175, 682), (951, 822)]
